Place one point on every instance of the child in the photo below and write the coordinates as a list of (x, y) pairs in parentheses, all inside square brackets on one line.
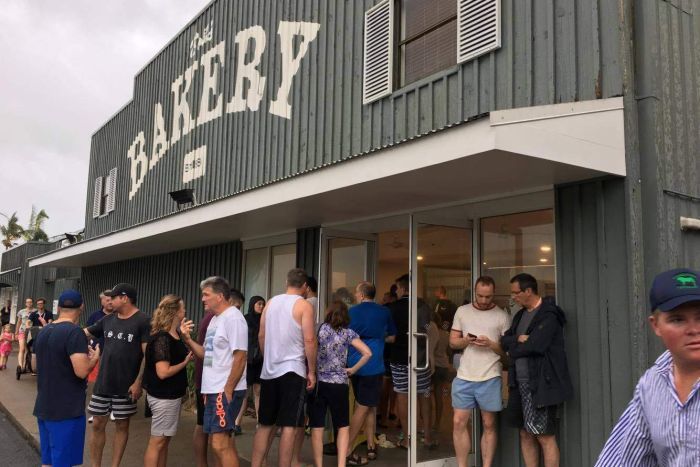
[(659, 426), (5, 345)]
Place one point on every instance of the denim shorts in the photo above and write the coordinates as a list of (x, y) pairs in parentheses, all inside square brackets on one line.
[(220, 414), (485, 395)]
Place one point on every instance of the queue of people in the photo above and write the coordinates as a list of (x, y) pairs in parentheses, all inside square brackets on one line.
[(304, 370)]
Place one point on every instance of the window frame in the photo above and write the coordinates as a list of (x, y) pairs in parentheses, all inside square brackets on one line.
[(267, 243), (399, 26)]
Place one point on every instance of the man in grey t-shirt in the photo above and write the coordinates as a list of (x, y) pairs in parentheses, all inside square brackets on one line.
[(538, 374)]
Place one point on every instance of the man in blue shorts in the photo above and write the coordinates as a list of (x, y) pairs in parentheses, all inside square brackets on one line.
[(477, 330), (64, 360), (373, 323)]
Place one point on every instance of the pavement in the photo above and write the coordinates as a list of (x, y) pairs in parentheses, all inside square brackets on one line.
[(17, 403), (15, 448)]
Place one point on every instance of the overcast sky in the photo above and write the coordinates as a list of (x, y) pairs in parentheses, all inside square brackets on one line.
[(66, 67)]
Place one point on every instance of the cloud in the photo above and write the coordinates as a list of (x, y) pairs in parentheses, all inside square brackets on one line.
[(66, 68)]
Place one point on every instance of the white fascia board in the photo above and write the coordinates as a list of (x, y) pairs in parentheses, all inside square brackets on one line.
[(588, 134), (584, 134)]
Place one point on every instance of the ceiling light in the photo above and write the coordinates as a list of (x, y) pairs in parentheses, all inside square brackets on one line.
[(543, 260), (545, 248), (419, 258), (484, 263)]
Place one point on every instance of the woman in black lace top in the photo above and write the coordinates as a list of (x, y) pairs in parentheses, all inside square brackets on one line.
[(165, 378)]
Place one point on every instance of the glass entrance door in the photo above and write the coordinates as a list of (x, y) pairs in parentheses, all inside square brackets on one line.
[(347, 259), (441, 280)]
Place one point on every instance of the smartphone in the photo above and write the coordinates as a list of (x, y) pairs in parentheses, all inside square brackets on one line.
[(471, 335)]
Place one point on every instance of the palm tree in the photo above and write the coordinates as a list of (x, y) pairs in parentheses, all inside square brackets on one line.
[(34, 231), (11, 231)]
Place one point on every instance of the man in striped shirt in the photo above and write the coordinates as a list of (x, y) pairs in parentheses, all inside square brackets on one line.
[(661, 425)]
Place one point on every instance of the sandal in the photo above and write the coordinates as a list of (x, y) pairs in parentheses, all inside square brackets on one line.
[(372, 453), (355, 459)]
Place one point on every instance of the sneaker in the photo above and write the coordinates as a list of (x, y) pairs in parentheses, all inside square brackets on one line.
[(90, 419), (111, 416)]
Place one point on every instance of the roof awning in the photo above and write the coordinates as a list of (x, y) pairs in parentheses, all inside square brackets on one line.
[(507, 152), (10, 278)]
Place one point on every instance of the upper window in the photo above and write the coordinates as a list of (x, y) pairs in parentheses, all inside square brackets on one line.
[(428, 38), (433, 35), (105, 191)]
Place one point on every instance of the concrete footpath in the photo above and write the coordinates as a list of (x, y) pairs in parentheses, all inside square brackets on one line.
[(17, 401)]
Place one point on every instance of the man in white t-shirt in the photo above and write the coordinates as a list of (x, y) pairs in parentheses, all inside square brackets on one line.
[(477, 329), (224, 354)]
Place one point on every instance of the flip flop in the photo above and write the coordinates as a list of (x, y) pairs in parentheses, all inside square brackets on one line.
[(372, 453), (355, 459)]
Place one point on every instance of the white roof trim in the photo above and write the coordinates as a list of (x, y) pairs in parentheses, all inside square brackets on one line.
[(587, 135)]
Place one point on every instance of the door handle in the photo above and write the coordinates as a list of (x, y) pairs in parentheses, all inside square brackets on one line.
[(427, 351)]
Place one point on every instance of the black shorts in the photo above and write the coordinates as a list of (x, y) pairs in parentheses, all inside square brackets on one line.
[(368, 389), (200, 408), (333, 397), (282, 401), (253, 371)]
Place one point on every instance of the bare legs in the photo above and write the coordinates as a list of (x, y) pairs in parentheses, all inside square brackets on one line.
[(262, 440), (200, 441), (97, 442), (530, 443), (426, 411), (460, 436), (156, 452), (22, 350), (402, 409), (489, 438), (224, 448)]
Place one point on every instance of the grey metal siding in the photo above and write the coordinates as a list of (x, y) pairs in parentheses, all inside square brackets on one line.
[(667, 90), (155, 276), (592, 285), (552, 52), (308, 248)]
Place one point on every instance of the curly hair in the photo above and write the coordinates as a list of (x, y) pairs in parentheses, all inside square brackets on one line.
[(164, 315)]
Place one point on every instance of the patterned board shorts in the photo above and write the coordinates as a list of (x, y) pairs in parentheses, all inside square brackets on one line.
[(399, 377), (526, 415)]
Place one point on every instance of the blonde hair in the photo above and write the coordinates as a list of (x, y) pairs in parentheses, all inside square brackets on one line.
[(164, 315), (7, 328)]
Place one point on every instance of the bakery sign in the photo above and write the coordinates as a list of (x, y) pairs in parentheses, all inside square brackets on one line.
[(247, 93)]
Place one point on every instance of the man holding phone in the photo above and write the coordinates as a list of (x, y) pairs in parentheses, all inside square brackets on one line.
[(477, 329)]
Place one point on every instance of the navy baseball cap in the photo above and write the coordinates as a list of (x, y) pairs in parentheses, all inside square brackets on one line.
[(123, 289), (70, 299), (673, 288)]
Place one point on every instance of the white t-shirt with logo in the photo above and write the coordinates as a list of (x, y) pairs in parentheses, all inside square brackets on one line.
[(480, 363), (226, 333)]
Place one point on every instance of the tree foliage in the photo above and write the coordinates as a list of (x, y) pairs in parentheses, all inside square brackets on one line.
[(34, 231), (11, 231)]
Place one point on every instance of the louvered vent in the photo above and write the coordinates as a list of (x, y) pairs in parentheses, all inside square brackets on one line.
[(112, 189), (97, 200), (478, 28), (379, 38)]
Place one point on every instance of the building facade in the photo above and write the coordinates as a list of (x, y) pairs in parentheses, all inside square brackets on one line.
[(448, 138)]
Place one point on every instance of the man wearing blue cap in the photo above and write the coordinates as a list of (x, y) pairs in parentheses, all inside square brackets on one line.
[(660, 426), (64, 360)]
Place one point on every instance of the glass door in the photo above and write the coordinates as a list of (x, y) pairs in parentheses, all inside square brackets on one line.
[(347, 258), (441, 280)]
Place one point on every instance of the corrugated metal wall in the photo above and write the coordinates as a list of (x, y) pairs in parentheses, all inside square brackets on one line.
[(155, 276), (592, 286), (667, 52), (552, 52)]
